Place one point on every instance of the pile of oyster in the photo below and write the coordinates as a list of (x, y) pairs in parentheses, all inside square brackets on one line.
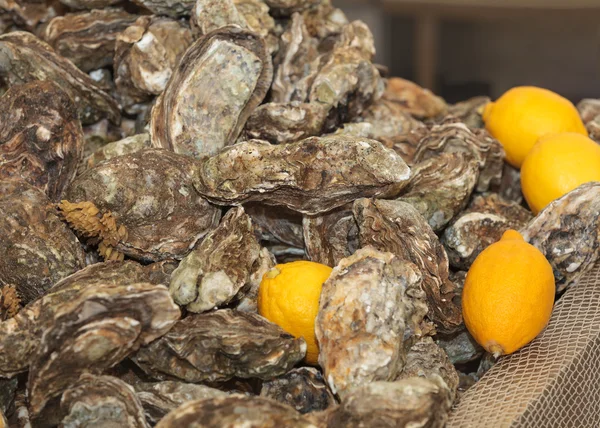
[(157, 158)]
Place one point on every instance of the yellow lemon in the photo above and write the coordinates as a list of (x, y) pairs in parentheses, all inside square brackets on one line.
[(556, 165), (508, 295), (289, 297), (524, 114)]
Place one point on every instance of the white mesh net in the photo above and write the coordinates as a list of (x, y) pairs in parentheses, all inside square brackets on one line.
[(552, 382)]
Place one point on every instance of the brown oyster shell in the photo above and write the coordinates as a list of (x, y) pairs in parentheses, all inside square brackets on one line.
[(146, 53), (303, 388), (198, 115), (105, 400), (287, 7), (89, 4), (370, 305), (249, 299), (567, 232), (409, 402), (468, 112), (324, 21), (509, 187), (148, 194), (413, 99), (170, 8), (398, 228), (95, 330), (209, 277), (234, 411), (87, 39), (331, 236), (276, 224), (10, 302), (37, 248), (440, 187), (117, 148), (160, 398), (27, 15), (24, 57), (220, 345), (41, 141), (313, 176)]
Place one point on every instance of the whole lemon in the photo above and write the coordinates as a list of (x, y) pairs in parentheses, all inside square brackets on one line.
[(556, 165), (289, 297), (524, 114), (508, 295)]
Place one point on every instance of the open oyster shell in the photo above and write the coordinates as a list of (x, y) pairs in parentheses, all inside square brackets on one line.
[(41, 141), (198, 115)]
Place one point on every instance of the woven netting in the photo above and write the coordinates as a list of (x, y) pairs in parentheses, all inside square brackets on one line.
[(552, 382)]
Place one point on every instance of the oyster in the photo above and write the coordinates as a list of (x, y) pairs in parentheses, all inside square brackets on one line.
[(509, 187), (209, 276), (287, 7), (276, 224), (171, 8), (371, 304), (589, 109), (117, 148), (198, 115), (220, 345), (468, 112), (37, 248), (567, 232), (249, 298), (160, 398), (142, 205), (8, 389), (413, 99), (398, 228), (87, 38), (89, 4), (324, 21), (460, 347), (440, 187), (40, 141), (24, 57), (313, 176), (105, 400), (24, 14), (10, 302), (234, 411), (304, 389), (331, 236), (146, 53)]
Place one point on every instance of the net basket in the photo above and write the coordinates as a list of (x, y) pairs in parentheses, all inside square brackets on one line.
[(552, 382)]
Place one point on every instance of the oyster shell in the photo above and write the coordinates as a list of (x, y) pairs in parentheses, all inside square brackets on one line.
[(89, 4), (398, 228), (171, 8), (41, 141), (26, 14), (276, 224), (249, 299), (303, 388), (509, 187), (37, 248), (198, 115), (209, 276), (220, 345), (160, 398), (146, 53), (440, 187), (313, 176), (8, 389), (331, 236), (142, 204), (10, 302), (87, 38), (414, 99), (287, 7), (371, 304), (234, 411), (460, 347), (468, 112), (105, 400), (324, 21), (567, 232), (24, 57), (117, 148), (589, 109)]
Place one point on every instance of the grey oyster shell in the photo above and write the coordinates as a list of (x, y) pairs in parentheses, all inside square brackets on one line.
[(99, 327), (370, 306), (146, 54), (286, 7), (217, 269), (313, 176), (171, 8), (234, 411), (468, 112), (102, 401), (303, 388), (589, 110), (276, 224), (198, 115), (87, 39), (567, 232), (460, 347), (220, 345), (37, 248), (150, 194), (41, 141), (509, 187), (398, 228), (117, 148), (24, 57), (248, 301), (160, 398)]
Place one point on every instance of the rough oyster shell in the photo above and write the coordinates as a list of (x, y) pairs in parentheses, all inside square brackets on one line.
[(117, 148), (249, 299), (171, 8), (198, 115), (155, 213), (24, 57), (414, 99), (468, 112), (41, 141), (287, 7), (276, 224), (89, 4), (220, 345), (398, 228), (313, 176), (370, 305)]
